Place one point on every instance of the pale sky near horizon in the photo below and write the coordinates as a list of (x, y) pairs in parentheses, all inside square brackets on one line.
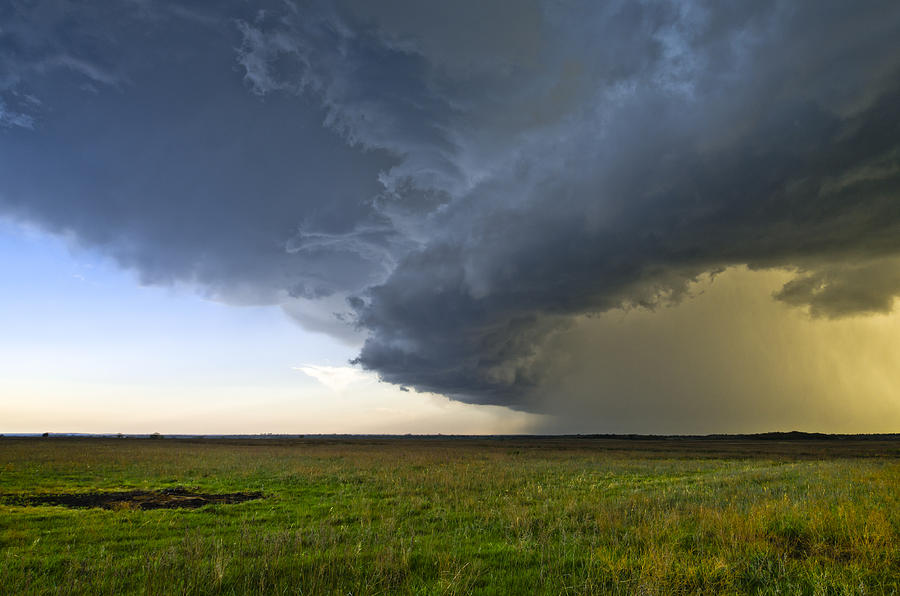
[(86, 348), (314, 216)]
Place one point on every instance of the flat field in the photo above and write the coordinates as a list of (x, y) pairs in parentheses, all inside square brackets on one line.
[(452, 516)]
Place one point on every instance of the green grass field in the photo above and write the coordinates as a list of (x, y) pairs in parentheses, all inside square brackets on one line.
[(502, 516)]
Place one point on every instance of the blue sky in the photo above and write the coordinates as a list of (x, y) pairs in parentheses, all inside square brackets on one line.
[(86, 348), (108, 328)]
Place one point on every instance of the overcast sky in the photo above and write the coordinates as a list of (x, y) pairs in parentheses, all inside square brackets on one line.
[(656, 216)]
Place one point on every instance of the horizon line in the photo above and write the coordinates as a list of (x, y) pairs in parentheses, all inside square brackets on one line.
[(793, 434)]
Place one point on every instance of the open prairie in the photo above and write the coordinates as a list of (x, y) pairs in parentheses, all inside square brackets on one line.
[(449, 516)]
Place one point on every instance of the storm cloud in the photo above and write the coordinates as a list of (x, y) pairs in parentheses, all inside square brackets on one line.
[(458, 185)]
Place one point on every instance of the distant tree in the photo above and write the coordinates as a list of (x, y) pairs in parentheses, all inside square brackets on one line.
[(120, 436), (45, 435), (156, 436)]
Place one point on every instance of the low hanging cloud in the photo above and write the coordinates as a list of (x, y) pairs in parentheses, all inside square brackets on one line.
[(460, 185)]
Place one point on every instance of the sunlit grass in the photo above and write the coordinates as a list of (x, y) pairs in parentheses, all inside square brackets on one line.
[(449, 517)]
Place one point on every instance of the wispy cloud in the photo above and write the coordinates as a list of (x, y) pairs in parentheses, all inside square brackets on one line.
[(12, 118), (336, 378)]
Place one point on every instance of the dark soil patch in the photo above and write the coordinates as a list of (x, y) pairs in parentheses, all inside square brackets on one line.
[(167, 498)]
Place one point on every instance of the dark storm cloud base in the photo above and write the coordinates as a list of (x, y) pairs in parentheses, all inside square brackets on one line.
[(455, 186)]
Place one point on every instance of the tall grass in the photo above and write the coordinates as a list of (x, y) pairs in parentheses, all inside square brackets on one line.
[(445, 517)]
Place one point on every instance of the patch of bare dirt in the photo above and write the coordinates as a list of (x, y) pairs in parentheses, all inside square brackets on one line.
[(167, 498)]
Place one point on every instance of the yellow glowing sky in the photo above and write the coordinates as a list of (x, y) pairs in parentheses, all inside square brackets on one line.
[(730, 359)]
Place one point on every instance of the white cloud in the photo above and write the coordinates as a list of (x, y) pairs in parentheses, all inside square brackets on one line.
[(336, 378)]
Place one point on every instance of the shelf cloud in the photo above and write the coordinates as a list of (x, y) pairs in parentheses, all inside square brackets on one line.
[(453, 188)]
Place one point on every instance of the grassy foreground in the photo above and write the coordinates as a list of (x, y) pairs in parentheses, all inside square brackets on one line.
[(502, 516)]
